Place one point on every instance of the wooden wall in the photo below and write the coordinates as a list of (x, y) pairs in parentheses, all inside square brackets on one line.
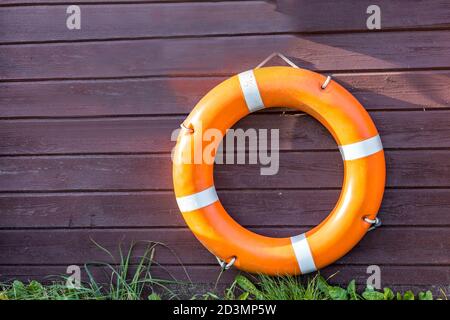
[(86, 118)]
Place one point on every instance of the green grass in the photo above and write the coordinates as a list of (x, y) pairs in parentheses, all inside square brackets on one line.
[(125, 281), (264, 288), (128, 279), (315, 288)]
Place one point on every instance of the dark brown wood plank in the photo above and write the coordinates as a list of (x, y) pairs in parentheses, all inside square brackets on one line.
[(177, 57), (135, 135), (415, 216), (415, 168), (103, 97), (392, 246), (342, 15), (397, 90), (297, 132), (430, 207), (48, 23), (402, 277)]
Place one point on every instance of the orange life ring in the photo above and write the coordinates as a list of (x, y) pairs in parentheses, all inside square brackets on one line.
[(359, 144)]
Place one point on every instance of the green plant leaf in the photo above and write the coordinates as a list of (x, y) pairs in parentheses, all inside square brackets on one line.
[(399, 296), (244, 296), (351, 290), (247, 285), (408, 295), (425, 295), (371, 294), (35, 286), (154, 296), (322, 285), (337, 293), (388, 294), (18, 290), (18, 285)]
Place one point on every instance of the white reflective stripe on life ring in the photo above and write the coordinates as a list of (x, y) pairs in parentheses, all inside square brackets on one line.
[(250, 90), (303, 254), (361, 149), (197, 200)]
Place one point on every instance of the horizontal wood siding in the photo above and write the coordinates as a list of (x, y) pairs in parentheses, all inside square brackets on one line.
[(414, 90), (144, 135), (224, 55), (86, 119), (103, 209), (302, 170), (431, 245), (47, 23)]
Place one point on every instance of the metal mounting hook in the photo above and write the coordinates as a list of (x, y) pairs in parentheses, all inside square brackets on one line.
[(224, 265), (326, 83), (375, 223)]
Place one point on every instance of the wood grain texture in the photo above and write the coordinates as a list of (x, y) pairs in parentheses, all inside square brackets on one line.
[(164, 96), (86, 118), (409, 207), (342, 15), (296, 132), (410, 168), (385, 246), (225, 55), (48, 23)]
